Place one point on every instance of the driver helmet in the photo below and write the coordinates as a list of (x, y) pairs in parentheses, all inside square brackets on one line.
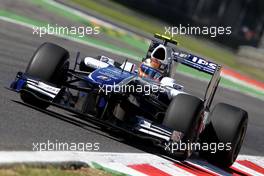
[(155, 67), (152, 68)]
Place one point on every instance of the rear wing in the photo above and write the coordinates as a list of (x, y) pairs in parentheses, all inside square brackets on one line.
[(195, 62), (202, 65)]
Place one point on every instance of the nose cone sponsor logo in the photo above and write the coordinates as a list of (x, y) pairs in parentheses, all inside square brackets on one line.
[(105, 78)]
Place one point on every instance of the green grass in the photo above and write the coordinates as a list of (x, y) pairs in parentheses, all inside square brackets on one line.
[(125, 16), (139, 44), (118, 15), (50, 171)]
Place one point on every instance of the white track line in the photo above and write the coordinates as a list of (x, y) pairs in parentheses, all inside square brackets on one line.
[(255, 159), (246, 169), (122, 168), (120, 161), (59, 156), (172, 169)]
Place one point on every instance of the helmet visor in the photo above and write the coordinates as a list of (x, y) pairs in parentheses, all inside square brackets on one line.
[(150, 72)]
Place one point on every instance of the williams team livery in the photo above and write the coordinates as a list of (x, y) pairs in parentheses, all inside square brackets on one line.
[(143, 100)]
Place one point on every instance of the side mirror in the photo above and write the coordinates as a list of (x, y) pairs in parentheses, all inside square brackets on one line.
[(169, 82)]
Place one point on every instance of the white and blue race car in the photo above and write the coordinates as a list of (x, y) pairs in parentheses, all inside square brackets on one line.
[(140, 101)]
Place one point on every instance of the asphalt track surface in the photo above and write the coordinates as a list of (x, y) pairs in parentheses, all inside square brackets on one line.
[(21, 125)]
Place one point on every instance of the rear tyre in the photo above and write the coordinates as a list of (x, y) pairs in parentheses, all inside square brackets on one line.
[(228, 126), (184, 115), (49, 63)]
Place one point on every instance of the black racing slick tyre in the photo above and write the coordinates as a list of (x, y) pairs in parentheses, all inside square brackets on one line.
[(184, 115), (227, 129), (49, 63)]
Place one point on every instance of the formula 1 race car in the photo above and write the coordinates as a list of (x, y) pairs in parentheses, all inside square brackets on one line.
[(144, 101)]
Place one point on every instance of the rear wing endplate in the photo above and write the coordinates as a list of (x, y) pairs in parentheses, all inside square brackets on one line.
[(202, 65)]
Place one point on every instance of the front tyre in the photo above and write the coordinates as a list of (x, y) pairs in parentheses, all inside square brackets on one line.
[(49, 63)]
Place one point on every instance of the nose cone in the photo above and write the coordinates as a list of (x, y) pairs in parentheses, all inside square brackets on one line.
[(109, 75)]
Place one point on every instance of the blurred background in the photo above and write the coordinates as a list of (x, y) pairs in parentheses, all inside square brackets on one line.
[(242, 51), (126, 28), (244, 16)]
